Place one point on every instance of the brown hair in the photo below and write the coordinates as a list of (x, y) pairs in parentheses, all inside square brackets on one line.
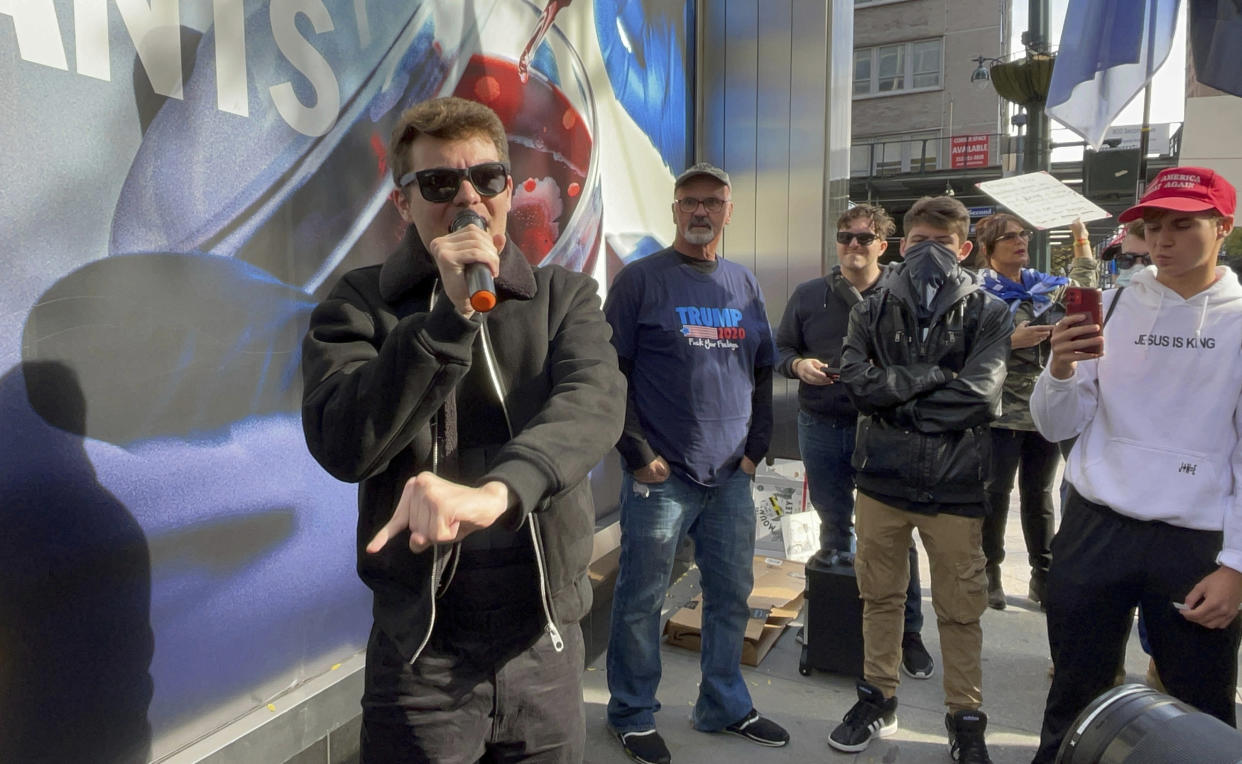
[(942, 212), (1135, 228), (879, 220), (448, 119), (989, 230)]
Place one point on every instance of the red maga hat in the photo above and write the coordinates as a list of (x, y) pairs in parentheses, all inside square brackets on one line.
[(1185, 189)]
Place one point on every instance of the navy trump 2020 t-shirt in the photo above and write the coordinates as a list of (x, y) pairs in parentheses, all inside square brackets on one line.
[(693, 338)]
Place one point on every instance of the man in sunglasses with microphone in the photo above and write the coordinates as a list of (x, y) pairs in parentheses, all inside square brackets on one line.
[(471, 435)]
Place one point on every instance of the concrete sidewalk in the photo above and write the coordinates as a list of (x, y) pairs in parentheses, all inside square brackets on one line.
[(1015, 686), (1015, 666)]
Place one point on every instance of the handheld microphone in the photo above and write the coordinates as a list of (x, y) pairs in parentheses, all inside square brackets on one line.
[(478, 278)]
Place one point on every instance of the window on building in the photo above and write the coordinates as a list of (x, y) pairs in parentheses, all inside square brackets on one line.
[(877, 2), (925, 66), (890, 68), (862, 71), (902, 68), (895, 154)]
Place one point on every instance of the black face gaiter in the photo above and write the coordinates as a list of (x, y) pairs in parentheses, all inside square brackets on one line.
[(928, 266)]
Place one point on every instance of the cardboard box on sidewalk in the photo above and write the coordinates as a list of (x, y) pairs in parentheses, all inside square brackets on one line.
[(774, 602)]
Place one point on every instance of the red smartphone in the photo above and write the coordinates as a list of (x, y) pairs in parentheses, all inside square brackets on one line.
[(1085, 300)]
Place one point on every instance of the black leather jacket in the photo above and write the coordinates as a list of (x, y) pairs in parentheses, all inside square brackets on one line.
[(926, 402)]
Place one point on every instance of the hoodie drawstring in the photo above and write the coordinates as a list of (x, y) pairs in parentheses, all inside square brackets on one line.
[(1202, 317)]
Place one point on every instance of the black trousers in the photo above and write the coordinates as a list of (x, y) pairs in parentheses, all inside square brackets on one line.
[(1103, 564), (445, 710), (1033, 460)]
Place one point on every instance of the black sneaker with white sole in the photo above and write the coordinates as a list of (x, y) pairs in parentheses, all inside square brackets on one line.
[(644, 746), (916, 662), (871, 717), (966, 730), (759, 729)]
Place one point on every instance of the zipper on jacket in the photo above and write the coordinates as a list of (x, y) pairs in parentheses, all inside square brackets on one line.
[(431, 620), (436, 443), (489, 356), (450, 569), (925, 481), (545, 597)]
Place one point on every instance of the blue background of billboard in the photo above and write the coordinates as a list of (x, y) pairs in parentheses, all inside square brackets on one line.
[(168, 544)]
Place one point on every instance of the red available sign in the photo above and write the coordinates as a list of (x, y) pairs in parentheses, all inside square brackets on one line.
[(968, 151)]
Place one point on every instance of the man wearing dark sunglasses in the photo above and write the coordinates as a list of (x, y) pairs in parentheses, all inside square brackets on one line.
[(809, 344), (472, 439), (1128, 252)]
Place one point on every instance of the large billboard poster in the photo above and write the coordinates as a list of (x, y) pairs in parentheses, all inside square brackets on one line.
[(182, 182)]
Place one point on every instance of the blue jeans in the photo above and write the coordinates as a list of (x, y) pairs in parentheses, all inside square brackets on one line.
[(721, 520), (827, 448)]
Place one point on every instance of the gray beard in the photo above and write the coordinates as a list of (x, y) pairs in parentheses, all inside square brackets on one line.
[(699, 238)]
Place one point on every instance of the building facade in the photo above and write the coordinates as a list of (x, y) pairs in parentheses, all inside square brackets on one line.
[(920, 125)]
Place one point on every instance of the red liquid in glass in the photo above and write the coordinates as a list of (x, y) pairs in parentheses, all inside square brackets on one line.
[(549, 149), (545, 22)]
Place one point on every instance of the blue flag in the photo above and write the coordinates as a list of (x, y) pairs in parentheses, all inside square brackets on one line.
[(1216, 43), (1109, 50)]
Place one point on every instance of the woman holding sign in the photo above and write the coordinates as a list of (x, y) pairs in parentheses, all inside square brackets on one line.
[(1017, 449)]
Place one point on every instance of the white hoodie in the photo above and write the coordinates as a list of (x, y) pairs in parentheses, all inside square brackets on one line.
[(1160, 414)]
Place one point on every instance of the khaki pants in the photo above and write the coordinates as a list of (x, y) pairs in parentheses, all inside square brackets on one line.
[(954, 547)]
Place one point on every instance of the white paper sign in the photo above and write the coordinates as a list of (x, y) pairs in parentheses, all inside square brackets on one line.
[(1042, 200)]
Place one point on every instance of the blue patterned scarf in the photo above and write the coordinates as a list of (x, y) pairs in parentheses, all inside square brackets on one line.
[(1035, 287)]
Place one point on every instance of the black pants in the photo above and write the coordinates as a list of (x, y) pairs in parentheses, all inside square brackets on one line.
[(1103, 564), (1033, 460), (445, 710)]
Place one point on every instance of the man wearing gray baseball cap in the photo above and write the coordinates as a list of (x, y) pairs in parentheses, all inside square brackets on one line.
[(693, 339)]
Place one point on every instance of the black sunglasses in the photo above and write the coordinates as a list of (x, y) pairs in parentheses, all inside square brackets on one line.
[(441, 184), (1015, 235), (864, 239), (689, 204), (1128, 259)]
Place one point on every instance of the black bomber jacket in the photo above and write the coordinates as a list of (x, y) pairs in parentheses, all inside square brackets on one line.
[(379, 361)]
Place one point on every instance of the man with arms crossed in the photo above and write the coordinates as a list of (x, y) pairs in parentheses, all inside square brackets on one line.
[(1154, 514), (924, 361), (693, 338)]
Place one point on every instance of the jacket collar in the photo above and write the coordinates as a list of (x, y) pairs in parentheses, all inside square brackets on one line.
[(411, 265), (835, 281)]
